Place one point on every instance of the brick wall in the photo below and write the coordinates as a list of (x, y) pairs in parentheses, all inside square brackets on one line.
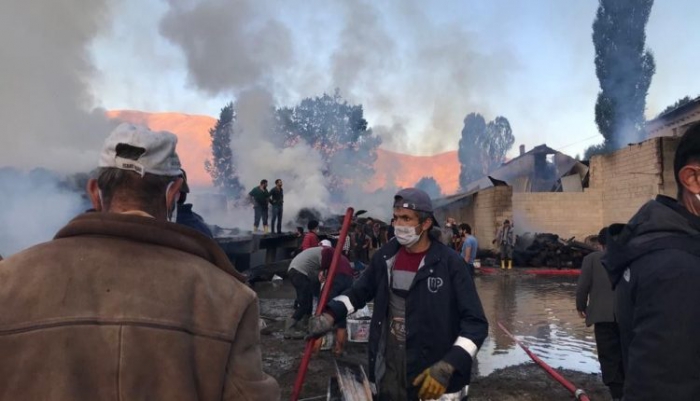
[(567, 214), (620, 183), (491, 207), (627, 178)]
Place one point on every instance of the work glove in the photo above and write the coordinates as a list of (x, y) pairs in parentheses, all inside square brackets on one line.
[(434, 380), (320, 325)]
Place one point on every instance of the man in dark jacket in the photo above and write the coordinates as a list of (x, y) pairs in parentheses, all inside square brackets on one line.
[(654, 264), (185, 215), (415, 352), (277, 202), (595, 303)]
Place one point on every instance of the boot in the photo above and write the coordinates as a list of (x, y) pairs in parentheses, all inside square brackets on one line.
[(341, 337), (503, 264), (510, 264), (255, 229), (291, 330), (265, 229)]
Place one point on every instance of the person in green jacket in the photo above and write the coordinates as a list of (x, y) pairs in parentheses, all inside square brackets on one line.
[(260, 198)]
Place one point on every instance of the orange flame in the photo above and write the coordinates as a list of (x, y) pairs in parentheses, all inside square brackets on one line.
[(194, 149)]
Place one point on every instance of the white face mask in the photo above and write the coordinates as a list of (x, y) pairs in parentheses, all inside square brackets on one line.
[(406, 235)]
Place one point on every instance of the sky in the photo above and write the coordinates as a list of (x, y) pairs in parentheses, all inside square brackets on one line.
[(418, 68)]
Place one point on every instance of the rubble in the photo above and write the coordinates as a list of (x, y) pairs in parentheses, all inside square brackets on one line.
[(549, 250)]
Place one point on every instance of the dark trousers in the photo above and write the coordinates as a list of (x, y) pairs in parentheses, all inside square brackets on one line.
[(276, 218), (260, 212), (305, 295), (607, 339)]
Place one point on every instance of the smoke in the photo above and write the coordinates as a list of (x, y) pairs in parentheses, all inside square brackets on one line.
[(258, 157), (46, 108), (227, 44), (35, 206), (424, 80)]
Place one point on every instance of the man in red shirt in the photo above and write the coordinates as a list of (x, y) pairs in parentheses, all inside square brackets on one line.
[(427, 323)]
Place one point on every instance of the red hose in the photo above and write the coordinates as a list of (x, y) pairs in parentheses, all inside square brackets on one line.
[(301, 373), (578, 393)]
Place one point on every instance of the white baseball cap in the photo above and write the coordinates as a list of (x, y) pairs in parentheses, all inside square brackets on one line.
[(326, 242), (159, 157)]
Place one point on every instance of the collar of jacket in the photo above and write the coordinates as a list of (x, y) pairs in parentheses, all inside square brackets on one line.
[(152, 231), (433, 256)]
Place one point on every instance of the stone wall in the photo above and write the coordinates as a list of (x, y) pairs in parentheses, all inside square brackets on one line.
[(567, 214), (491, 207)]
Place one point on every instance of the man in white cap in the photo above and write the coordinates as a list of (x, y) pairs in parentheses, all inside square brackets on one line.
[(123, 304)]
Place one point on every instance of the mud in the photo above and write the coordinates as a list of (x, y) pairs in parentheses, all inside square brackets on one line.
[(281, 359)]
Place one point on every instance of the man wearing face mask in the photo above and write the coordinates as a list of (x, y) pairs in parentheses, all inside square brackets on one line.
[(123, 303), (654, 265), (414, 352)]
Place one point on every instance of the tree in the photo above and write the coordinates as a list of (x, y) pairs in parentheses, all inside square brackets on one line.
[(221, 167), (339, 131), (482, 147), (680, 102), (430, 186), (593, 150), (500, 139), (624, 68)]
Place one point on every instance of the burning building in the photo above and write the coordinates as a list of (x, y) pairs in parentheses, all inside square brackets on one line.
[(571, 199)]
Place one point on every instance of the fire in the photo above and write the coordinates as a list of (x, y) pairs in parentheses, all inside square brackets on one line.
[(194, 148)]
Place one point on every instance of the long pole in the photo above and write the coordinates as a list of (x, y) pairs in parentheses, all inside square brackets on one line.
[(301, 373), (577, 392)]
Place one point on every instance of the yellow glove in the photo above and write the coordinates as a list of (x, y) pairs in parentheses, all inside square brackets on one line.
[(434, 380)]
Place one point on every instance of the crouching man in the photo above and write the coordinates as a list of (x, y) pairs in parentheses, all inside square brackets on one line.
[(427, 323)]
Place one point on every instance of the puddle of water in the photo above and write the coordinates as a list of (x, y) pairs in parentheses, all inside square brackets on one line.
[(540, 312)]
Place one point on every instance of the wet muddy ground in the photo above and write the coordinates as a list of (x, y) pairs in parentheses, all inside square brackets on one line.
[(517, 383)]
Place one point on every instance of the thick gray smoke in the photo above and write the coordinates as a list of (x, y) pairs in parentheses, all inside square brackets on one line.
[(259, 156), (450, 75), (46, 108), (228, 45), (34, 206), (47, 114), (412, 74)]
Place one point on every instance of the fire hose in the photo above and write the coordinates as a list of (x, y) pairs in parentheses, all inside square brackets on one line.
[(578, 393), (301, 373)]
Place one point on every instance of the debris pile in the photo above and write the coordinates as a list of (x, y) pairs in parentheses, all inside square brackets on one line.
[(548, 250)]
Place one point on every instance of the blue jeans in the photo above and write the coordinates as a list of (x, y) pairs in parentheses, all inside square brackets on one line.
[(276, 218)]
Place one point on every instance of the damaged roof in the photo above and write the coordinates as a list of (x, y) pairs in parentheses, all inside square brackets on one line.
[(539, 170)]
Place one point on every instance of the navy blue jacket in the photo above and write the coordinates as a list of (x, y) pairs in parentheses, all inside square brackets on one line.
[(189, 218), (444, 317), (654, 264)]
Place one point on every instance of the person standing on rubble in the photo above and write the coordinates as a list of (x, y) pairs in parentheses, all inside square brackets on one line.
[(505, 239), (414, 352), (260, 197), (595, 303), (654, 265), (123, 303), (277, 201)]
